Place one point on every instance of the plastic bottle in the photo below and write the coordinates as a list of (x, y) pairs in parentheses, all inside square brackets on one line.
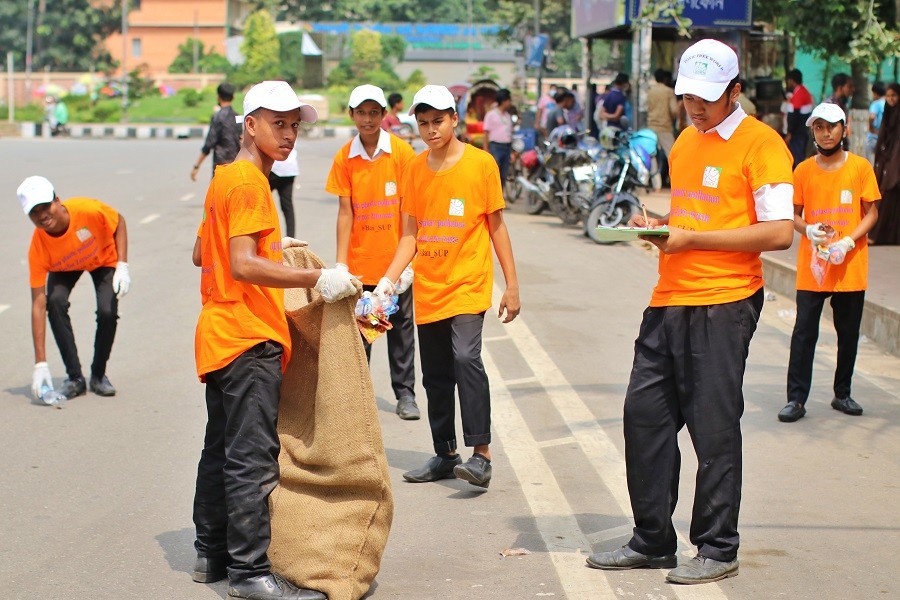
[(836, 255), (50, 397)]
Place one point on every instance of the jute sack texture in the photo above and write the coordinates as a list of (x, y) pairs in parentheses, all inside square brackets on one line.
[(332, 509)]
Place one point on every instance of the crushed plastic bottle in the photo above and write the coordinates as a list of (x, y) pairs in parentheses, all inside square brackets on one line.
[(51, 397), (370, 304)]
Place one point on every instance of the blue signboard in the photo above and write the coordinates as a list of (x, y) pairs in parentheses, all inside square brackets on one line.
[(722, 14)]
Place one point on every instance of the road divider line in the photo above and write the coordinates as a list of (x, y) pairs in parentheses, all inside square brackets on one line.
[(599, 448), (187, 197), (149, 218)]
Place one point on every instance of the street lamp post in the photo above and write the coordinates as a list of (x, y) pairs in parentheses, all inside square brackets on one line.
[(29, 44), (124, 61)]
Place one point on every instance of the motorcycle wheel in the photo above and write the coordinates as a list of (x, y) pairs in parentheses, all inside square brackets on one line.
[(512, 191), (563, 207), (534, 203), (597, 216)]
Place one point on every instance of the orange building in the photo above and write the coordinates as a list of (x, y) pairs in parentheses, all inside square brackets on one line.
[(157, 27)]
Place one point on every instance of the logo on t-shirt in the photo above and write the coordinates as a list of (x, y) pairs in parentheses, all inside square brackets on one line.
[(711, 176), (846, 197), (83, 234), (457, 207), (390, 188)]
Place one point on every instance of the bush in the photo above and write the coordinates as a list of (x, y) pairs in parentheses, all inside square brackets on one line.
[(190, 97), (105, 112), (416, 79)]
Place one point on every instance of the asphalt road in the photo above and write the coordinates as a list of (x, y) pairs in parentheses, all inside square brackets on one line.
[(95, 499)]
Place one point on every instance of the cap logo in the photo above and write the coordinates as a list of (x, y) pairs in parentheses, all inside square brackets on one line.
[(700, 68)]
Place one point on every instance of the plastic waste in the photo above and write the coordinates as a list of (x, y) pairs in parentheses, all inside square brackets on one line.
[(370, 304), (50, 397)]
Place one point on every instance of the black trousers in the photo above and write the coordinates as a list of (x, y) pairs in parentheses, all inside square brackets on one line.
[(285, 188), (688, 370), (401, 341), (59, 288), (239, 464), (847, 309), (501, 153), (450, 351), (797, 145)]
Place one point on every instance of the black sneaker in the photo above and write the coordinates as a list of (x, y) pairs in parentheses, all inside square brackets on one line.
[(407, 409), (476, 470), (436, 468), (209, 569), (794, 411), (73, 387), (102, 386), (847, 405), (270, 587)]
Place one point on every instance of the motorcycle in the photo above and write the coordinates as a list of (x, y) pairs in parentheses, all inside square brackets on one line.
[(534, 180), (626, 168), (569, 179)]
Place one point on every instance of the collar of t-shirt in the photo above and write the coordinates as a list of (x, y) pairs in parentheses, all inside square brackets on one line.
[(384, 145), (729, 125)]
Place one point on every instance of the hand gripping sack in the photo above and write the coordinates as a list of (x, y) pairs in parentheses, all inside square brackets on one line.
[(332, 509)]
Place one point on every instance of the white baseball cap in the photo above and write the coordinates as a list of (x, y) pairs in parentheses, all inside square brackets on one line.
[(277, 96), (828, 112), (365, 92), (33, 191), (706, 69), (435, 96)]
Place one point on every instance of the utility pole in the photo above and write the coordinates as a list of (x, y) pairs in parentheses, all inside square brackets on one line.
[(124, 61), (29, 47)]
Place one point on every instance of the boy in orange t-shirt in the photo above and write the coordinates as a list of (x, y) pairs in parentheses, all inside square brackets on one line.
[(71, 237), (838, 190), (242, 345), (452, 208), (731, 199), (367, 176)]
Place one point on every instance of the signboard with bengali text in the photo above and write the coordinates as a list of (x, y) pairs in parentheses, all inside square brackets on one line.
[(594, 17)]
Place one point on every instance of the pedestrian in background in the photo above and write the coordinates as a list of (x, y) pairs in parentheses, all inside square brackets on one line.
[(575, 115), (71, 237), (452, 209), (367, 177), (842, 89), (876, 111), (223, 138), (281, 180), (564, 100), (614, 103), (662, 110), (242, 345), (391, 122), (691, 352), (887, 171), (545, 104), (799, 105), (834, 189), (498, 133)]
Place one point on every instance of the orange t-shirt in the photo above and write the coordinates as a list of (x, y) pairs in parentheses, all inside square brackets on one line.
[(835, 198), (454, 270), (373, 187), (712, 189), (87, 244), (236, 315)]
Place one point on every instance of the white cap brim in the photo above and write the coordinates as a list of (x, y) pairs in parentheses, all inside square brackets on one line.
[(308, 114), (709, 91)]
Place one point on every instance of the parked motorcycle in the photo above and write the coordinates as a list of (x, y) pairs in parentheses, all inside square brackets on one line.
[(626, 167)]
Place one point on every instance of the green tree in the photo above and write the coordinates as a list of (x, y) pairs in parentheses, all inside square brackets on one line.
[(209, 61), (67, 34), (261, 50), (366, 54), (291, 57), (385, 11)]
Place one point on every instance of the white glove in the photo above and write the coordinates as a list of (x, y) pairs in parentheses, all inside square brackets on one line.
[(121, 279), (406, 279), (816, 233), (289, 242), (40, 378), (385, 288), (342, 267), (837, 251), (335, 284)]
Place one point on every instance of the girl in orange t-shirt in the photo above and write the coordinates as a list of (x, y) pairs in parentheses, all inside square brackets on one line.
[(452, 210), (835, 190)]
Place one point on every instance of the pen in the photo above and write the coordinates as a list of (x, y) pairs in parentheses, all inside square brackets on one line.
[(646, 220)]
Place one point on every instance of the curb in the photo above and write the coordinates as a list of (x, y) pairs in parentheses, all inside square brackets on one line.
[(31, 130)]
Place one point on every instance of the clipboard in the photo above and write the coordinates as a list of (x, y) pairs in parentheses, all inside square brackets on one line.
[(627, 234)]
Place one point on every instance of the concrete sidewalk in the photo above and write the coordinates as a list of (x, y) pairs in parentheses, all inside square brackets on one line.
[(146, 131), (881, 316)]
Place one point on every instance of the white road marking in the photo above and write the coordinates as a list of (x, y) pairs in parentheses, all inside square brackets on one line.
[(149, 218), (187, 197), (3, 307), (557, 442), (600, 450)]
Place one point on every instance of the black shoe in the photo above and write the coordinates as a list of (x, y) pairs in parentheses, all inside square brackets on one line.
[(73, 387), (209, 569), (407, 409), (270, 587), (703, 570), (436, 468), (626, 558), (476, 470), (794, 411), (102, 386), (847, 405)]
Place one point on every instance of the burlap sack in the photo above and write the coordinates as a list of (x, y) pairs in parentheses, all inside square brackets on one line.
[(332, 510)]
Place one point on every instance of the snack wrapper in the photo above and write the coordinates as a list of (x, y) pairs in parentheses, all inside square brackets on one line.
[(372, 315)]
